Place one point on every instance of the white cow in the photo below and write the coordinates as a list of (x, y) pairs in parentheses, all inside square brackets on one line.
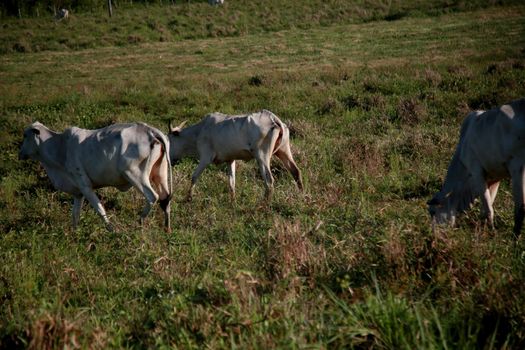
[(216, 2), (220, 138), (78, 161), (491, 148)]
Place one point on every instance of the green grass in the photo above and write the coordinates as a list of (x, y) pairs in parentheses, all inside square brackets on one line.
[(374, 109), (149, 23)]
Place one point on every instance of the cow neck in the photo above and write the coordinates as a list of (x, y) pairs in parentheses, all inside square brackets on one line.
[(189, 135), (53, 148)]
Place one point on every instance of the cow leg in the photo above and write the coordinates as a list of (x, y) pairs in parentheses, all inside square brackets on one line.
[(142, 184), (493, 188), (285, 155), (479, 188), (92, 198), (85, 187), (490, 197), (231, 176), (77, 207), (203, 163), (487, 211), (263, 155), (160, 178), (263, 160), (519, 196)]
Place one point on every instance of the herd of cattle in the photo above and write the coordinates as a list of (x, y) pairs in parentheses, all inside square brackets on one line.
[(491, 148), (124, 155)]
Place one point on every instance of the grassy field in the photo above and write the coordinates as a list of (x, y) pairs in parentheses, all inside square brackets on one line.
[(374, 105), (195, 19)]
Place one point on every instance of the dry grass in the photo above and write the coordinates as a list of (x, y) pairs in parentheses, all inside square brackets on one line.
[(52, 331), (411, 111), (288, 252)]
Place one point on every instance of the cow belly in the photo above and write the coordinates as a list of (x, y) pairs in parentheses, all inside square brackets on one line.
[(497, 174), (65, 186), (122, 186), (61, 180), (111, 180), (104, 173), (228, 157)]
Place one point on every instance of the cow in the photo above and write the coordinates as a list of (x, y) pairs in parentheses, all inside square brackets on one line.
[(220, 138), (491, 148), (78, 161), (216, 2)]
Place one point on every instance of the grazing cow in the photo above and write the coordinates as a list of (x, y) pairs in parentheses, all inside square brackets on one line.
[(220, 138), (491, 148), (62, 14), (216, 2), (78, 161)]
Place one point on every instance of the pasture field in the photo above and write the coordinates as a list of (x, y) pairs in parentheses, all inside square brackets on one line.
[(374, 109)]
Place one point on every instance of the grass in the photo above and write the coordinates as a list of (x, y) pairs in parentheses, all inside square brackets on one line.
[(374, 109), (146, 23)]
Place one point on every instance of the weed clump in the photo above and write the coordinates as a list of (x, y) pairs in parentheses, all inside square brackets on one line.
[(134, 39), (329, 106), (411, 111), (256, 80), (361, 156), (432, 77), (501, 67), (22, 47), (288, 251), (51, 332)]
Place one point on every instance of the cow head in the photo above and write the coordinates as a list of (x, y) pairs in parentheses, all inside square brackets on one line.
[(31, 142), (177, 142), (441, 209)]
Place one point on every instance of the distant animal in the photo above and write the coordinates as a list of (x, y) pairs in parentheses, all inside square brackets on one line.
[(78, 161), (216, 2), (491, 147), (62, 14), (221, 138)]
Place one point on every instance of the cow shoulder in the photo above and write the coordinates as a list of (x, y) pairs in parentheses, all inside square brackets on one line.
[(71, 145)]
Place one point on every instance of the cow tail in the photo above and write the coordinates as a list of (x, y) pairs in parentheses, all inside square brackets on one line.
[(165, 144), (284, 132), (167, 155)]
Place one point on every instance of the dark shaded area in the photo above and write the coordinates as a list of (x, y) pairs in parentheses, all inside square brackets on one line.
[(396, 16), (421, 191), (13, 341), (255, 80)]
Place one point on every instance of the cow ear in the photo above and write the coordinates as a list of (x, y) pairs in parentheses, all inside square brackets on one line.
[(35, 131)]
